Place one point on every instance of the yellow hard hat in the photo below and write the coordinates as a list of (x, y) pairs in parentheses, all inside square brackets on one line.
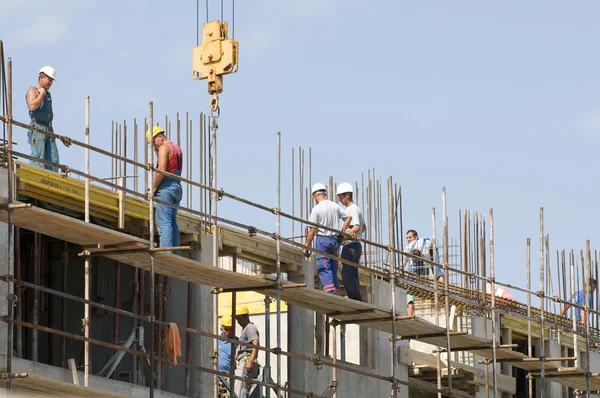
[(226, 320), (155, 131), (242, 310)]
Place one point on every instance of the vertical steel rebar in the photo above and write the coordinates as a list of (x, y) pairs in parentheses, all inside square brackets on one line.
[(87, 287), (529, 347)]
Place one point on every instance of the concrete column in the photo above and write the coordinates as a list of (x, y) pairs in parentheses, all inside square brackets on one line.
[(4, 251), (301, 331), (201, 383)]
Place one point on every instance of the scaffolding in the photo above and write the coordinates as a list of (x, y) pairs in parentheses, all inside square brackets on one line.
[(467, 287)]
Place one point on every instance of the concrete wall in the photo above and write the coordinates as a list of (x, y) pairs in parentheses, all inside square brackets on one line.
[(308, 377)]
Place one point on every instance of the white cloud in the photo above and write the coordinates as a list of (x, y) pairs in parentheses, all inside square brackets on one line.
[(46, 31), (589, 124), (39, 22)]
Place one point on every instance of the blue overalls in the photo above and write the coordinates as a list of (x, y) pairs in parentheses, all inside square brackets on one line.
[(42, 146), (327, 268)]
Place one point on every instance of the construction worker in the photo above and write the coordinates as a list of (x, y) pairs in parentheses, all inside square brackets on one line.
[(247, 363), (425, 248), (327, 214), (579, 299), (225, 349), (166, 189), (39, 102), (351, 247)]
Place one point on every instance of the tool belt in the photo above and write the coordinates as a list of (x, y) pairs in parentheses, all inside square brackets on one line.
[(244, 357), (41, 122)]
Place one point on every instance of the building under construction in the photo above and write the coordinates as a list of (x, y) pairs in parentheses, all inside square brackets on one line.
[(88, 296)]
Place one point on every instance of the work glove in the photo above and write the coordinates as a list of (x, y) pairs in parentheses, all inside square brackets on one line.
[(152, 192), (307, 253)]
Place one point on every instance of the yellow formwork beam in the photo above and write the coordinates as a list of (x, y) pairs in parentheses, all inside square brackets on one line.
[(53, 185)]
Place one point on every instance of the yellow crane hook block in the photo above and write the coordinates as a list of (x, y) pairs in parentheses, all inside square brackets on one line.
[(217, 56)]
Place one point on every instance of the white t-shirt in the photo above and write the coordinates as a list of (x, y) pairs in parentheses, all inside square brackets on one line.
[(423, 245), (328, 214), (357, 218)]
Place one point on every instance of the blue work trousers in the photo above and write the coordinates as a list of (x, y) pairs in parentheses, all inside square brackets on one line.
[(168, 191), (327, 267), (351, 251), (43, 147)]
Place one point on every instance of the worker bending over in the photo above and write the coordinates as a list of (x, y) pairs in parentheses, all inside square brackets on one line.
[(351, 246), (247, 362), (326, 213), (166, 189), (579, 299), (424, 248), (39, 102)]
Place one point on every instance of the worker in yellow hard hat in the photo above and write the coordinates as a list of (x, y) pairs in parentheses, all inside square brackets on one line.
[(166, 189), (247, 363), (226, 348)]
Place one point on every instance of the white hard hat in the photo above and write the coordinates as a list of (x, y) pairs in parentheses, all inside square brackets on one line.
[(48, 71), (344, 187), (318, 187)]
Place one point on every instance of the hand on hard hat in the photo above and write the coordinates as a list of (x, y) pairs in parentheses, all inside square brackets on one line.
[(155, 131), (344, 187), (318, 187), (242, 310), (226, 320)]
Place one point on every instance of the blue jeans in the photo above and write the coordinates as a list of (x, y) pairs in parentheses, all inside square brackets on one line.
[(43, 147), (169, 191), (351, 252), (327, 267)]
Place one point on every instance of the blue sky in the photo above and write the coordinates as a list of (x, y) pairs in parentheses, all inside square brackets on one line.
[(498, 102)]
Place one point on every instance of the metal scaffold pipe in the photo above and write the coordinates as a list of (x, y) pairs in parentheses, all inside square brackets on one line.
[(542, 337), (278, 259), (215, 242), (150, 151), (10, 253), (446, 290), (493, 300), (392, 260), (86, 360), (529, 347)]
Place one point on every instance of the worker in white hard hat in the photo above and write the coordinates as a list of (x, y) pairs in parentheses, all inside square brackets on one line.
[(247, 357), (39, 102), (166, 189), (351, 247), (326, 213)]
